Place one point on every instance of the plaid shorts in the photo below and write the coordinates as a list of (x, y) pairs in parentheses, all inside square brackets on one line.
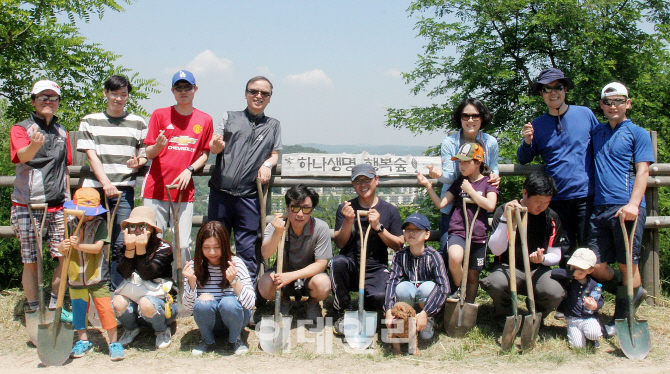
[(24, 231)]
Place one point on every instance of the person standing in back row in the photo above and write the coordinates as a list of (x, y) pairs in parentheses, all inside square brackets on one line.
[(246, 144)]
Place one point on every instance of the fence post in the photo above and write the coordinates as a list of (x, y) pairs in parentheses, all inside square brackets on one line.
[(650, 269)]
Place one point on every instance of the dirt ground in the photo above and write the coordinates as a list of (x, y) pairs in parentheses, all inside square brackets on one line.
[(322, 352)]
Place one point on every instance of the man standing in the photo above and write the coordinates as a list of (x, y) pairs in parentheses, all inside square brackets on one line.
[(178, 145), (40, 148), (545, 241), (386, 232), (247, 145), (113, 141), (562, 137), (306, 253), (623, 154)]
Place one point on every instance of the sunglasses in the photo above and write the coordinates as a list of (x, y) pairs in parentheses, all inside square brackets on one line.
[(256, 92), (135, 226), (45, 98), (556, 88), (187, 88), (616, 102), (305, 209), (467, 117)]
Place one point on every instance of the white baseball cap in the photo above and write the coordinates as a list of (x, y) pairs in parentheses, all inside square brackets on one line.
[(614, 89), (44, 85), (583, 258)]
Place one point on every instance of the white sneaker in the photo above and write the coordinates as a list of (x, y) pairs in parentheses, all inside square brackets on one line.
[(428, 332), (240, 348), (128, 336), (163, 339)]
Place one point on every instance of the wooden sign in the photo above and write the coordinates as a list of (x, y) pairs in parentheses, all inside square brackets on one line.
[(337, 165)]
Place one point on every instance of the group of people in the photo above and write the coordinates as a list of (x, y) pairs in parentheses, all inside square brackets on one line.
[(569, 206)]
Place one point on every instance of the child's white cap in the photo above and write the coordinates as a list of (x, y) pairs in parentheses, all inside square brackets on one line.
[(583, 258), (614, 89)]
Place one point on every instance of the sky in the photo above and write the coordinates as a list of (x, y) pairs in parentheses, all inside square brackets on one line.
[(335, 65)]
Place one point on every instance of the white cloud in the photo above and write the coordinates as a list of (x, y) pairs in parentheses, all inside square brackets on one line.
[(393, 72), (208, 62), (315, 77)]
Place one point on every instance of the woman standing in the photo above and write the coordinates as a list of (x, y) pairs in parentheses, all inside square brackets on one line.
[(218, 289), (151, 259), (471, 117)]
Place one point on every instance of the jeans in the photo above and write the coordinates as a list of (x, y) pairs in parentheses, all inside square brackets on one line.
[(218, 317), (132, 317), (409, 293), (126, 204)]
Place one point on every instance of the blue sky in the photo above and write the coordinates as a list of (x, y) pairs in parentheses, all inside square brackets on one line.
[(335, 65)]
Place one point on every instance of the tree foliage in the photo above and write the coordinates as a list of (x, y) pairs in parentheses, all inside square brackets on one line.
[(40, 40), (502, 45)]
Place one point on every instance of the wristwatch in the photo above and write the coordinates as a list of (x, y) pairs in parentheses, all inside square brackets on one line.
[(267, 165), (381, 228), (233, 282), (191, 169)]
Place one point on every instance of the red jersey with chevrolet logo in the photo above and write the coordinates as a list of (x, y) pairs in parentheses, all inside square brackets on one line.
[(188, 136)]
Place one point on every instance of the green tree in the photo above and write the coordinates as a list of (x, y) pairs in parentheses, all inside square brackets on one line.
[(40, 40)]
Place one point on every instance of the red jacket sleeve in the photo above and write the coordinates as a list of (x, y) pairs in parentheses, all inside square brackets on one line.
[(18, 138)]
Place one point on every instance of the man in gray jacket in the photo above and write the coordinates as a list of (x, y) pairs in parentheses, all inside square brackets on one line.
[(246, 144)]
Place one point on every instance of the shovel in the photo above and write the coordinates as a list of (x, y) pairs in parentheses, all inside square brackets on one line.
[(262, 197), (93, 317), (34, 318), (54, 340), (273, 331), (513, 322), (460, 317), (176, 247), (360, 326), (532, 322), (633, 333)]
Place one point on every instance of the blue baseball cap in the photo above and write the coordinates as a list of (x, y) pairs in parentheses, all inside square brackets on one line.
[(183, 75), (418, 220), (549, 75)]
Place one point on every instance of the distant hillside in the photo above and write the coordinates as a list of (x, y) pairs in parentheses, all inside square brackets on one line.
[(372, 149)]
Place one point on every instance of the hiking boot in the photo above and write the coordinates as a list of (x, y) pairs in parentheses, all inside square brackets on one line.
[(116, 352), (338, 326), (81, 348), (128, 336), (313, 311), (201, 348), (429, 331), (163, 339), (240, 348)]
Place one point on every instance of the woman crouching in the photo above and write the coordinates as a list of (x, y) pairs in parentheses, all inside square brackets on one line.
[(218, 289)]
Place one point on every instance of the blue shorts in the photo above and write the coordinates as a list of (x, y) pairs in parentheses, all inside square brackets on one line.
[(606, 237)]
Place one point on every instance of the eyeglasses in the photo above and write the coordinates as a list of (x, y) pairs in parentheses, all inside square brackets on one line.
[(184, 88), (468, 116), (556, 88), (256, 92), (413, 231), (362, 181), (616, 102), (305, 209), (135, 226), (45, 98)]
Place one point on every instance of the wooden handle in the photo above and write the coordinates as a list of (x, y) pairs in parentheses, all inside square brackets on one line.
[(39, 206), (171, 186), (362, 213)]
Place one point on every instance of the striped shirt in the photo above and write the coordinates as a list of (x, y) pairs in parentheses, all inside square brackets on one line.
[(247, 296), (428, 266), (115, 140)]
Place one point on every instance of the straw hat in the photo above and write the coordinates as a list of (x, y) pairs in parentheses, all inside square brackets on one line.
[(142, 214)]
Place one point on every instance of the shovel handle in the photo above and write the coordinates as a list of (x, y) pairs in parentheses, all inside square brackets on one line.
[(511, 240), (629, 241), (522, 221), (279, 269), (66, 261), (364, 250), (469, 228), (40, 255)]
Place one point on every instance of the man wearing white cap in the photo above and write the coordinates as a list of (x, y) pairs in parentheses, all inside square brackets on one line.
[(622, 153), (40, 148)]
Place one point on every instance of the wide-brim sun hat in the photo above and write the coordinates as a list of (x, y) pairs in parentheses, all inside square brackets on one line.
[(142, 214), (86, 199), (549, 75)]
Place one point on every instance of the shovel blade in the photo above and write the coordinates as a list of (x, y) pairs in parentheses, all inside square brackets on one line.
[(512, 326), (360, 333), (33, 320), (634, 337), (461, 320), (273, 336), (54, 343), (530, 330)]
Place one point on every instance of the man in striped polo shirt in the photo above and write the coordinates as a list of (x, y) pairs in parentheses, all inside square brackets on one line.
[(113, 140)]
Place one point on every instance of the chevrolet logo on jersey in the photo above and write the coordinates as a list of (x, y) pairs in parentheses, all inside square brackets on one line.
[(183, 140)]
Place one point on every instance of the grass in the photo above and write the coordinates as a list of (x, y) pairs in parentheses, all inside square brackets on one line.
[(479, 349)]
